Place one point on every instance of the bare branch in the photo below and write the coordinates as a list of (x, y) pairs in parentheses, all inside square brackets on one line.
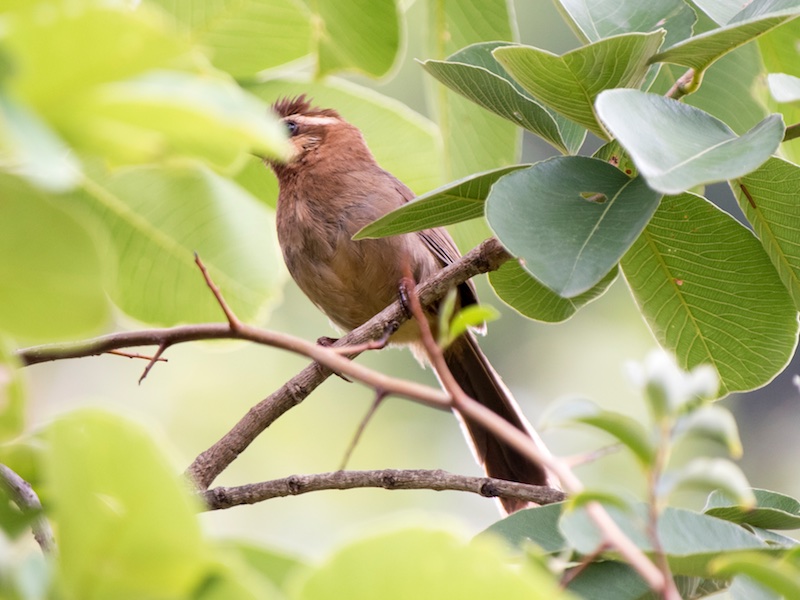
[(22, 494), (390, 479)]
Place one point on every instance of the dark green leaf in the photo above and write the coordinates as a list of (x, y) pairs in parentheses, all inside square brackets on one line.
[(538, 525), (772, 510)]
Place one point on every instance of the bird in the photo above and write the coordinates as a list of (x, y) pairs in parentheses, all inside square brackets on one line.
[(331, 186)]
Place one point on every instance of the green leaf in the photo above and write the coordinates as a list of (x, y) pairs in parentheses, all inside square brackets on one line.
[(247, 36), (569, 84), (694, 148), (609, 580), (783, 87), (30, 149), (744, 588), (452, 203), (691, 541), (522, 292), (605, 18), (700, 51), (65, 47), (475, 74), (713, 423), (12, 394), (546, 216), (766, 197), (772, 510), (709, 294), (474, 315), (51, 272), (158, 218), (126, 523), (419, 563), (403, 142), (357, 34), (626, 430), (273, 565), (490, 141), (538, 525), (709, 474), (720, 11), (775, 574), (164, 114)]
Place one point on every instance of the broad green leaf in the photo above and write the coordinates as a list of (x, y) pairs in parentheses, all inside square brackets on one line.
[(772, 510), (713, 423), (247, 36), (126, 523), (783, 87), (474, 315), (700, 51), (626, 430), (605, 18), (569, 84), (707, 290), (403, 142), (779, 575), (81, 48), (522, 292), (475, 74), (691, 541), (12, 394), (30, 149), (707, 475), (780, 53), (419, 563), (694, 148), (455, 202), (356, 34), (490, 141), (273, 565), (767, 197), (570, 219), (157, 219), (720, 11), (538, 525), (609, 580), (165, 114), (744, 588), (51, 271)]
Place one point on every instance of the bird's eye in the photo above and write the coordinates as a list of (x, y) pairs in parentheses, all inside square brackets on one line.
[(292, 128)]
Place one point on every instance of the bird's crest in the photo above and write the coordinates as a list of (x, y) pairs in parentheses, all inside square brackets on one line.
[(300, 105)]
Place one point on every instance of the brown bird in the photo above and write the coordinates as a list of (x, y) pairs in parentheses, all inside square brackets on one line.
[(330, 188)]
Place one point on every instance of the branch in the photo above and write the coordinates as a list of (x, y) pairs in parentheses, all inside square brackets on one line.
[(22, 494), (390, 479), (792, 132)]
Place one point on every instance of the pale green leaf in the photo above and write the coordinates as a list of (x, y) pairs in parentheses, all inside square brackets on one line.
[(694, 148), (246, 36), (700, 51), (779, 575), (609, 580), (522, 292), (605, 18), (363, 35), (12, 394), (158, 218), (30, 149), (768, 198), (474, 315), (772, 510), (538, 525), (455, 202), (720, 11), (570, 83), (570, 219), (707, 290), (690, 541), (164, 114), (51, 272), (713, 423), (475, 74), (709, 474), (126, 523), (403, 142), (419, 563), (783, 87)]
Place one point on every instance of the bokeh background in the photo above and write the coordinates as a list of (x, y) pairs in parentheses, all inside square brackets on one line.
[(204, 389)]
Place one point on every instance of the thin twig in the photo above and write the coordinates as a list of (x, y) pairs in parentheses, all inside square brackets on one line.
[(146, 357), (22, 494), (156, 357), (379, 397), (390, 479), (233, 320)]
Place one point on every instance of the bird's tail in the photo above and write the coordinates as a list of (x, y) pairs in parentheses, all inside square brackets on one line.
[(478, 379)]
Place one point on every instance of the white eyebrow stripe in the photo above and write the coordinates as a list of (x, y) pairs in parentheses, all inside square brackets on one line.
[(307, 120)]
